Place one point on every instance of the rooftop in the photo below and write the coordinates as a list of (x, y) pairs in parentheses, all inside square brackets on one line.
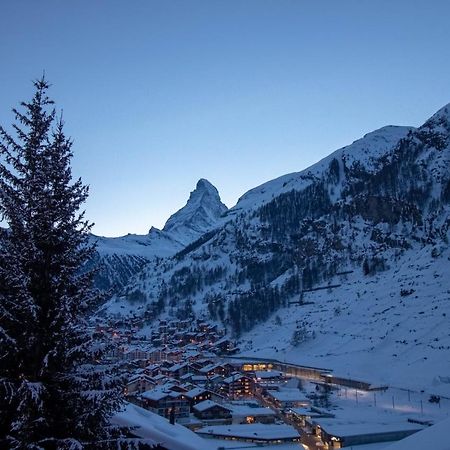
[(207, 404), (256, 431)]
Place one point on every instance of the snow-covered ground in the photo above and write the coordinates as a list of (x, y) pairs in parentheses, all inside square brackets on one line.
[(158, 430), (433, 438), (366, 329)]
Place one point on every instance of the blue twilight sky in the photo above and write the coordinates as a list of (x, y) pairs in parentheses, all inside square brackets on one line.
[(158, 94)]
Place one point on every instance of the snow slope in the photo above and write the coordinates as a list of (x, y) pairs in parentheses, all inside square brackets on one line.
[(367, 330), (158, 430), (434, 437), (365, 151)]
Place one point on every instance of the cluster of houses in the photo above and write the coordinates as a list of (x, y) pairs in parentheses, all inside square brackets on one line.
[(170, 341), (180, 371), (198, 386)]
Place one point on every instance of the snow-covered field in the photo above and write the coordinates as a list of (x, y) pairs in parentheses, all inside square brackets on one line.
[(366, 329)]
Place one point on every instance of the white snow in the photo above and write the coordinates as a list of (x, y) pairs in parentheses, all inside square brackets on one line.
[(158, 430), (433, 438), (253, 431), (367, 330)]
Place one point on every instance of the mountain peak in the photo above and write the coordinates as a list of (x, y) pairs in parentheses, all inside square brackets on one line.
[(204, 184), (201, 212)]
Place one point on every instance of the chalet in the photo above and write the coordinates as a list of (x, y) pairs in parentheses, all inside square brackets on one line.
[(137, 353), (191, 338), (156, 354), (209, 410), (224, 346), (237, 386), (198, 394), (163, 401), (139, 384), (217, 369), (191, 355), (174, 355), (199, 380), (251, 413), (208, 370), (202, 326), (160, 379), (152, 369), (224, 369), (178, 370), (215, 381), (176, 388)]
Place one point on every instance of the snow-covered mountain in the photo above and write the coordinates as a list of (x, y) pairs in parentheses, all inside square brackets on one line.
[(365, 152), (373, 218), (199, 215), (120, 258)]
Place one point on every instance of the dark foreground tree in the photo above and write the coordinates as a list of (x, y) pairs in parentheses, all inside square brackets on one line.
[(55, 391)]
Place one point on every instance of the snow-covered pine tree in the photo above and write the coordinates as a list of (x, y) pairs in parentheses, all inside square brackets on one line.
[(54, 391)]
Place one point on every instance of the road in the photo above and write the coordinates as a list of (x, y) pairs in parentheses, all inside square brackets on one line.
[(306, 438)]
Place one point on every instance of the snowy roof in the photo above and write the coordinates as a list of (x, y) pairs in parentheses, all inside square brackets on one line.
[(233, 378), (287, 395), (158, 430), (207, 404), (152, 366), (194, 392), (209, 367), (245, 410), (159, 393), (355, 427), (199, 378), (263, 374), (141, 377), (155, 394), (178, 366), (186, 376), (254, 431)]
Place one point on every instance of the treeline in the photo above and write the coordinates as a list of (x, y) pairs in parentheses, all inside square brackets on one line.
[(285, 212)]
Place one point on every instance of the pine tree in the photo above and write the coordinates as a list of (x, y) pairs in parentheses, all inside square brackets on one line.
[(55, 393)]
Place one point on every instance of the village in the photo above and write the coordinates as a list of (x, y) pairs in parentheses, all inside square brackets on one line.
[(187, 372)]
